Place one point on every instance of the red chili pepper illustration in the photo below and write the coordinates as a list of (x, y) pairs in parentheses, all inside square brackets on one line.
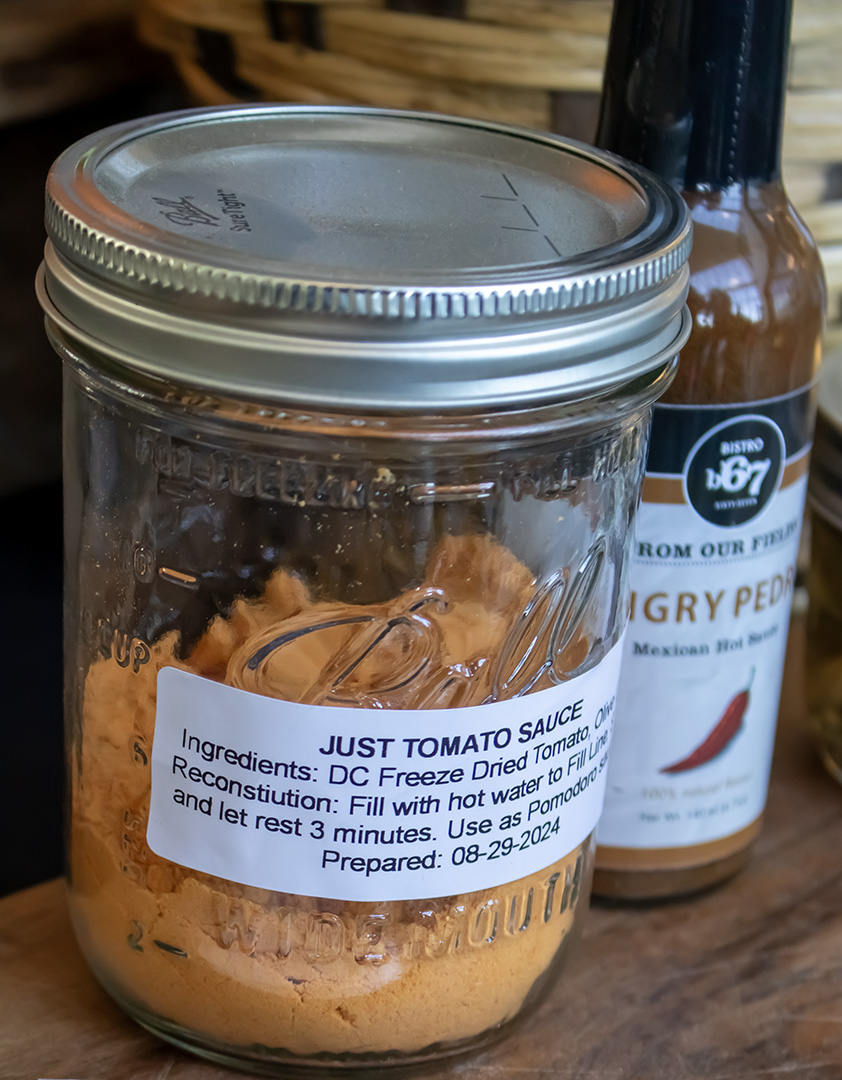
[(720, 735)]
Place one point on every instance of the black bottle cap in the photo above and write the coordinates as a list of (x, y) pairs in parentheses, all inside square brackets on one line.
[(694, 89)]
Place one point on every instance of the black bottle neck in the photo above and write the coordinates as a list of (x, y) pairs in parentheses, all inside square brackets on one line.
[(694, 89)]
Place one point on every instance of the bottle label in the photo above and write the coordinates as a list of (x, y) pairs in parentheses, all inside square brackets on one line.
[(712, 574), (377, 804)]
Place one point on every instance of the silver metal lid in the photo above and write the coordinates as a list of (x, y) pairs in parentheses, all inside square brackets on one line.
[(345, 257), (825, 483)]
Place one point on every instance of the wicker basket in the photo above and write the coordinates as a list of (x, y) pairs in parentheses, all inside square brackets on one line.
[(533, 62), (55, 53)]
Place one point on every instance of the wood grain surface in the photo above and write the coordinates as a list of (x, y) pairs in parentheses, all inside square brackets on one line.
[(743, 982)]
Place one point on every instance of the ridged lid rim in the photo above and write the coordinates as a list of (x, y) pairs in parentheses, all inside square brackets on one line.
[(116, 254), (344, 318)]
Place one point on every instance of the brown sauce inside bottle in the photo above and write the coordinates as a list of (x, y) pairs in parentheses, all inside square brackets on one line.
[(757, 301)]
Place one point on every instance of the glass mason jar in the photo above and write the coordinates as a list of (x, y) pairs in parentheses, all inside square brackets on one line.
[(823, 658), (353, 451)]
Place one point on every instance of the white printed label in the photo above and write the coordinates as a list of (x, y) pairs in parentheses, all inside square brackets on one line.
[(702, 669), (369, 804)]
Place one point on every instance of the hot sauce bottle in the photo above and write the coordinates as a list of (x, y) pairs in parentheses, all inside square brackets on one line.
[(695, 91)]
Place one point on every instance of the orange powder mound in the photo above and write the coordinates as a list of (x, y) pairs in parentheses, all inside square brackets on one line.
[(273, 973)]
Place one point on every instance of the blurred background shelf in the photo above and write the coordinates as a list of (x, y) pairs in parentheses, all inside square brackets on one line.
[(532, 62), (54, 54)]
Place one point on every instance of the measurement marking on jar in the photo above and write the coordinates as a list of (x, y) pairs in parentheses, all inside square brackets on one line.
[(177, 577), (515, 197)]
